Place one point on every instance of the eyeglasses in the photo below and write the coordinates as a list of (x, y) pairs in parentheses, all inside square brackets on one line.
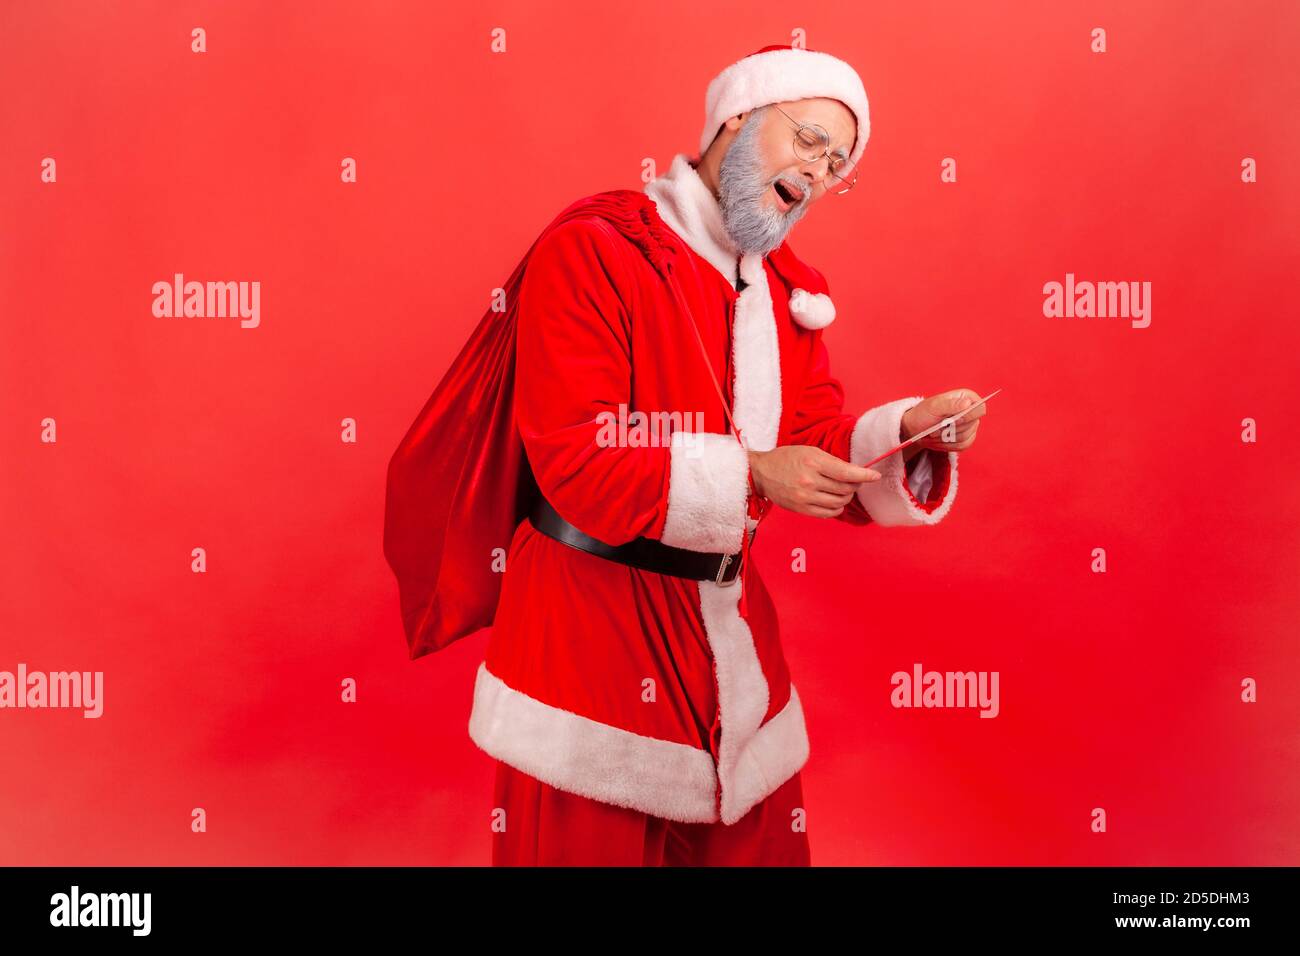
[(811, 143)]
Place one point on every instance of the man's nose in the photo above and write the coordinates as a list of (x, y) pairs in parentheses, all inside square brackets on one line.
[(815, 172)]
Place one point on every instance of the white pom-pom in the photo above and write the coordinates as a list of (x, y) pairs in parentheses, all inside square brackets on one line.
[(812, 310)]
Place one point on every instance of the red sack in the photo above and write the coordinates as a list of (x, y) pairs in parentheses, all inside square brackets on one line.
[(459, 483)]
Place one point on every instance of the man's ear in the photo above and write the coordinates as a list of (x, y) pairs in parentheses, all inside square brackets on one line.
[(734, 123)]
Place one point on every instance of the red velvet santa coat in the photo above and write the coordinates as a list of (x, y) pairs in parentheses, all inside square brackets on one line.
[(626, 686)]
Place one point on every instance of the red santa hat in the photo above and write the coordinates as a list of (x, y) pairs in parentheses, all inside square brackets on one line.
[(779, 73)]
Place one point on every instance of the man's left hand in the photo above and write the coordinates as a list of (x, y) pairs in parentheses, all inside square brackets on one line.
[(934, 410)]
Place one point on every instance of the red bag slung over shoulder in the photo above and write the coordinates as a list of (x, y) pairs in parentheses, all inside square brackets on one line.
[(459, 483)]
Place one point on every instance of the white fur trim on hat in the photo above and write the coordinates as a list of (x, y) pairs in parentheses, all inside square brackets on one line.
[(777, 76), (812, 310)]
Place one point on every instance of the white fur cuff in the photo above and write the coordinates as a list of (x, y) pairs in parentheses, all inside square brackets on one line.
[(889, 501), (708, 492)]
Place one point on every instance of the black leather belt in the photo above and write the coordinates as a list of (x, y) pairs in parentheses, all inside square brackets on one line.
[(645, 553)]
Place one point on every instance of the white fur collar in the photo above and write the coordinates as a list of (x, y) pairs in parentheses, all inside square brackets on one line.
[(689, 207), (691, 210)]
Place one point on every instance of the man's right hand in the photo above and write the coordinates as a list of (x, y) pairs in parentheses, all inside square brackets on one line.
[(807, 480)]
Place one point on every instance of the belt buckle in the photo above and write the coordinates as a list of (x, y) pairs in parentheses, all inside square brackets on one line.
[(728, 558)]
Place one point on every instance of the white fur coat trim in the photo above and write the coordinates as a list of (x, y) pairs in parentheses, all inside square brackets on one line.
[(889, 501), (606, 763), (708, 486), (757, 356), (753, 758)]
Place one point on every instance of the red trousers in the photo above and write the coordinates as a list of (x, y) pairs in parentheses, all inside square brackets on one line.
[(549, 827)]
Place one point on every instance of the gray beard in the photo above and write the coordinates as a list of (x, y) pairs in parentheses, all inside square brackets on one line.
[(752, 225)]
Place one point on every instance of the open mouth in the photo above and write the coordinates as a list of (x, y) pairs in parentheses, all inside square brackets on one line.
[(787, 195)]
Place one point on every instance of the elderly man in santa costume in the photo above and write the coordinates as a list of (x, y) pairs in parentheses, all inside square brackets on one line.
[(634, 693)]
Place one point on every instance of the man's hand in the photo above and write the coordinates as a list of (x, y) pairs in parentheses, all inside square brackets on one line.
[(805, 479), (934, 410)]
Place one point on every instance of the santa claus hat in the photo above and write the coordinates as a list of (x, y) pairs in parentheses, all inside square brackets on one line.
[(779, 73)]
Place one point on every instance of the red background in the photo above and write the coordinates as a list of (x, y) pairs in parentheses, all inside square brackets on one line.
[(1119, 690)]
